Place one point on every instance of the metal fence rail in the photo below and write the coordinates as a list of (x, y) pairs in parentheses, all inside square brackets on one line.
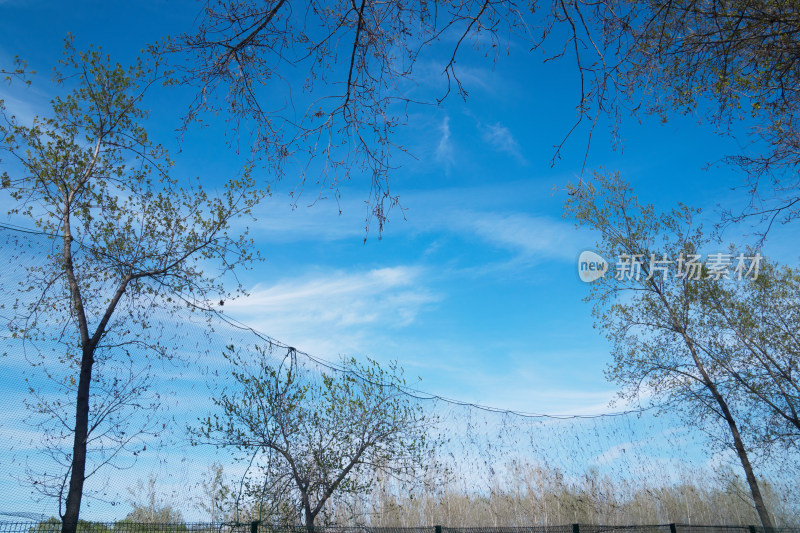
[(54, 526)]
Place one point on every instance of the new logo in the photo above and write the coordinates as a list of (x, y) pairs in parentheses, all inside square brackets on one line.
[(591, 266)]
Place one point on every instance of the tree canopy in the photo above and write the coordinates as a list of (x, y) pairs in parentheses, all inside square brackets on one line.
[(732, 62), (131, 238), (314, 436), (128, 238), (752, 334), (668, 317)]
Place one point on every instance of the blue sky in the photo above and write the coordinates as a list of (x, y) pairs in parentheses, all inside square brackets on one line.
[(474, 286)]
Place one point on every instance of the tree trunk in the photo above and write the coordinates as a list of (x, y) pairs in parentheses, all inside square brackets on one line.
[(309, 520), (69, 520), (738, 444), (741, 452)]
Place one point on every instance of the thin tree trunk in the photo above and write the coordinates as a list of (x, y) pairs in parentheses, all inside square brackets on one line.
[(77, 475), (309, 520), (708, 383), (69, 520), (758, 500), (738, 444)]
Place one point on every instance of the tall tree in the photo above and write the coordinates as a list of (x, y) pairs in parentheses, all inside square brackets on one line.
[(53, 525), (315, 436), (128, 238), (654, 310)]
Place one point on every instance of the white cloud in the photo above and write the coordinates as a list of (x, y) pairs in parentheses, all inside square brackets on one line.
[(529, 236), (657, 430), (501, 139), (333, 313), (279, 220), (22, 101), (431, 82), (444, 150)]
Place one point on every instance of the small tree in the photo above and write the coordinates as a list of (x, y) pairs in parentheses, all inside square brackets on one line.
[(128, 239), (149, 508), (215, 495), (319, 435)]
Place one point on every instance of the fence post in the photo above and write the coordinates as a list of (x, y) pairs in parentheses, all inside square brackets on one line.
[(437, 529), (576, 528), (674, 529), (752, 529), (254, 526)]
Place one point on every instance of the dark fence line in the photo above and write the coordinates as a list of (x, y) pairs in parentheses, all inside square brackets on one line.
[(54, 526)]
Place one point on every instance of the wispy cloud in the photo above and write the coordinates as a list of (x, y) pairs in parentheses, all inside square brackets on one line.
[(529, 236), (21, 101), (501, 139), (331, 312), (650, 445), (432, 82), (444, 150), (280, 221)]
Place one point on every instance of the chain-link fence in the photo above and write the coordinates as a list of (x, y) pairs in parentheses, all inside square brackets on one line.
[(54, 526)]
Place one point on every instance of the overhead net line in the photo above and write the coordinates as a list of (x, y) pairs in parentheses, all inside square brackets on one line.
[(494, 467), (329, 365)]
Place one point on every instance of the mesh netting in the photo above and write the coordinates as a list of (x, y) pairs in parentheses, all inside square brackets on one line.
[(162, 367)]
